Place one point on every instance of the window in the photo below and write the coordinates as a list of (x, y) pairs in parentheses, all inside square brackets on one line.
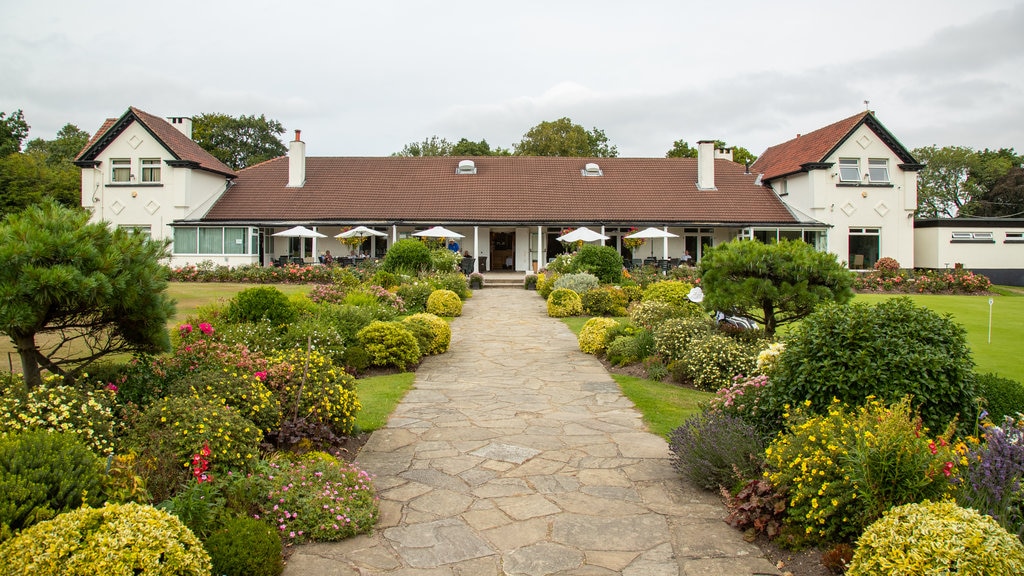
[(120, 170), (137, 229), (211, 240), (973, 237), (849, 170), (865, 244), (234, 240), (150, 169), (878, 169), (1014, 237), (185, 241)]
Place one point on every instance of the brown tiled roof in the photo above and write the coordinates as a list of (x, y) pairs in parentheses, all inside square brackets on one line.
[(788, 157), (181, 146), (505, 189)]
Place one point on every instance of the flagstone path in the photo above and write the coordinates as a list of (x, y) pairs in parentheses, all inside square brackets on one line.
[(515, 453)]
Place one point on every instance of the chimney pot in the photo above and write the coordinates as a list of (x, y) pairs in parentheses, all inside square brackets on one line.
[(298, 135)]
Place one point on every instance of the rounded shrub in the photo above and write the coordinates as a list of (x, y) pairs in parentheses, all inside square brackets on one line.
[(59, 407), (43, 473), (444, 260), (564, 302), (245, 547), (438, 331), (385, 279), (444, 303), (604, 262), (261, 303), (936, 538), (309, 385), (630, 348), (593, 338), (710, 363), (453, 281), (115, 539), (713, 449), (653, 313), (391, 343), (674, 335), (546, 283), (244, 392), (580, 282), (1003, 396), (407, 256), (673, 292), (886, 350), (605, 301), (415, 295)]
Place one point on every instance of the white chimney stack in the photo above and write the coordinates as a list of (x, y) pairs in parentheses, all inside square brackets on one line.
[(183, 124), (706, 165), (297, 162)]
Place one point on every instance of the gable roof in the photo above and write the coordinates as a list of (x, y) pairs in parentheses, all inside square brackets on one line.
[(179, 145), (505, 190), (815, 147)]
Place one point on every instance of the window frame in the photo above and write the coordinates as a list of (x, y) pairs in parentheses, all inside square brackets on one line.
[(846, 164), (878, 164), (150, 166), (120, 164)]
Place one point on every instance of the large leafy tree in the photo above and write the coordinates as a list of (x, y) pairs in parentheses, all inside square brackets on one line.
[(27, 178), (1005, 199), (466, 147), (433, 146), (13, 131), (681, 149), (772, 283), (63, 149), (73, 291), (944, 185), (239, 142), (564, 138)]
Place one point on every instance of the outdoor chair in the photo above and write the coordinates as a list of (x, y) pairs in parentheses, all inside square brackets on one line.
[(467, 265)]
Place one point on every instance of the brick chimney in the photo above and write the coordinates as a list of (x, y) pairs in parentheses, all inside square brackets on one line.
[(706, 165), (297, 162)]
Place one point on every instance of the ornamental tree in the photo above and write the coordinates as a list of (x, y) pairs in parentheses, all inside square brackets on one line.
[(74, 291), (774, 284)]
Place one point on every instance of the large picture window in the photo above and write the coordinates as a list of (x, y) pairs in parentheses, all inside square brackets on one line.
[(865, 246), (185, 241), (211, 240), (214, 240), (234, 240)]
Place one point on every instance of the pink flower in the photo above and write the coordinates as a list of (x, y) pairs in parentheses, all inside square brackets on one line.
[(205, 328), (112, 387), (185, 329), (261, 376)]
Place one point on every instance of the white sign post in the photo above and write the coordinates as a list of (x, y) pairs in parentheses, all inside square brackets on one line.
[(989, 320)]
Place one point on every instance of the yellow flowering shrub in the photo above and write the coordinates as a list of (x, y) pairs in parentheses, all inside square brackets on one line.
[(936, 538), (54, 406), (844, 468), (440, 331), (242, 391), (444, 303), (115, 540), (593, 338), (328, 393), (564, 302)]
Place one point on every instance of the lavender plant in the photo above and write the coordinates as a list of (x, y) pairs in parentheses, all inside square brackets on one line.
[(991, 483)]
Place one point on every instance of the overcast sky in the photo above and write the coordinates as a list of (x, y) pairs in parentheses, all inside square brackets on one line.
[(366, 78)]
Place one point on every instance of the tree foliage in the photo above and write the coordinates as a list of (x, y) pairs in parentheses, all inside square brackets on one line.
[(433, 146), (13, 131), (27, 178), (772, 283), (955, 177), (681, 149), (74, 291), (239, 142), (564, 138), (466, 147), (1005, 199), (63, 149)]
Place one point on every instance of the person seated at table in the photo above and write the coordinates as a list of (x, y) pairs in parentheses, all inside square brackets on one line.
[(328, 259), (687, 260)]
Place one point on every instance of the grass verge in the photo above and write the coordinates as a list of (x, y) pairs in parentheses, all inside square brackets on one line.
[(664, 406), (379, 395)]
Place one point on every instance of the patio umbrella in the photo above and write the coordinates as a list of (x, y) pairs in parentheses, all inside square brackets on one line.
[(652, 232), (583, 233), (299, 232), (438, 232), (359, 232)]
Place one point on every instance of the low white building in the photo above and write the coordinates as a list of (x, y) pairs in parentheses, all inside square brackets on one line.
[(990, 246)]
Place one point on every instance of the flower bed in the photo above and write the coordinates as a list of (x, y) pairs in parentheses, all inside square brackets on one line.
[(957, 281)]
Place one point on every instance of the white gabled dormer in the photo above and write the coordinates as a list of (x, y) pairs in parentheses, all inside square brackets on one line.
[(297, 162)]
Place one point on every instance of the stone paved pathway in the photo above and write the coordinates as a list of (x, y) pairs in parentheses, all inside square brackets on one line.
[(515, 453)]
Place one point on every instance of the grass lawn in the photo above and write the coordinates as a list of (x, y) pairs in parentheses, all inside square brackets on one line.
[(1002, 354), (664, 405), (191, 295), (379, 395)]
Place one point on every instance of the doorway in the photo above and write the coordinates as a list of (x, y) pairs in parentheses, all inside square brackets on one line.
[(503, 250)]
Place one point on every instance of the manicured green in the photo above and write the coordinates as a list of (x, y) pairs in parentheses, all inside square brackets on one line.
[(379, 395), (1002, 355), (189, 296), (664, 405)]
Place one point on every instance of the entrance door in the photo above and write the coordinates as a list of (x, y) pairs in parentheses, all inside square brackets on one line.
[(503, 250)]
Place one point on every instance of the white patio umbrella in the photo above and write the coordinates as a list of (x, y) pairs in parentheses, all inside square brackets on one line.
[(582, 233), (299, 232), (438, 232), (652, 232), (359, 232)]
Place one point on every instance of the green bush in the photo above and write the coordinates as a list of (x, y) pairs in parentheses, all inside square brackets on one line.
[(936, 538), (415, 295), (673, 292), (605, 301), (593, 337), (439, 333), (453, 281), (407, 257), (631, 348), (564, 302), (710, 363), (886, 350), (714, 449), (385, 279), (1003, 396), (327, 395), (444, 260), (633, 292), (245, 547), (260, 337), (653, 313), (580, 282), (198, 506), (844, 469), (318, 330), (546, 283), (444, 303), (338, 500), (176, 428), (391, 343), (43, 473), (674, 335), (259, 303), (356, 359), (562, 264), (115, 539), (605, 262), (244, 392), (55, 406)]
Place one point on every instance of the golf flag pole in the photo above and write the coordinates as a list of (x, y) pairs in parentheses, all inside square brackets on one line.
[(989, 320)]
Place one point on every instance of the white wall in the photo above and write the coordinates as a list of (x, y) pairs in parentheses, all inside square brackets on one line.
[(935, 249)]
